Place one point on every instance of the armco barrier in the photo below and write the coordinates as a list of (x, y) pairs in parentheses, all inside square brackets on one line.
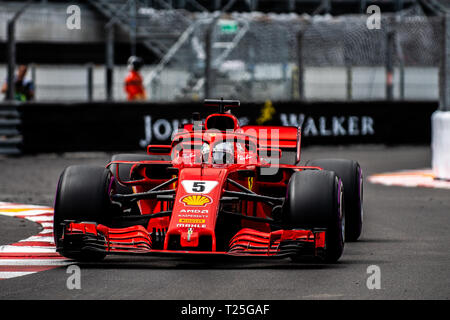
[(102, 126), (10, 137)]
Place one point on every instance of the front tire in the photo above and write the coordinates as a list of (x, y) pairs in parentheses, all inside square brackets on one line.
[(82, 195), (315, 200)]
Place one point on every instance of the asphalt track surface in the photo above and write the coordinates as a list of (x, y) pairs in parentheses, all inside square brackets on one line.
[(406, 234)]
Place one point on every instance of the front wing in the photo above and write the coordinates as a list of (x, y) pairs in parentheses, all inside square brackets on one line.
[(248, 242)]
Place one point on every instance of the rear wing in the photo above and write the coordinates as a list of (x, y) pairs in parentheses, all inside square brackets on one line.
[(221, 104), (286, 138)]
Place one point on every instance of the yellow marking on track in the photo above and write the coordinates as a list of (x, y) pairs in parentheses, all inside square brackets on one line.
[(19, 209)]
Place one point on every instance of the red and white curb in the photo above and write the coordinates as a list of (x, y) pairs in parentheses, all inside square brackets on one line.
[(34, 254), (410, 178)]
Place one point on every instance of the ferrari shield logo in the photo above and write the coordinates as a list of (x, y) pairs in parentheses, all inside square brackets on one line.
[(250, 183)]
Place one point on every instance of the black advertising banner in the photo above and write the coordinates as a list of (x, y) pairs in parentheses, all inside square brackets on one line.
[(103, 126)]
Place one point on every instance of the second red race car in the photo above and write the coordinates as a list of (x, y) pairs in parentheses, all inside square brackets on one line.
[(218, 189)]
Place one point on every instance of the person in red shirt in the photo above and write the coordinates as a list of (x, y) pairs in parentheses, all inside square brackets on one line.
[(133, 82)]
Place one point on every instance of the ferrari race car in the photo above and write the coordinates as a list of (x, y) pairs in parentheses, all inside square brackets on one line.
[(218, 189)]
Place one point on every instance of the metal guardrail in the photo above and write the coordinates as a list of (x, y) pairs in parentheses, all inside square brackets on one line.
[(10, 135)]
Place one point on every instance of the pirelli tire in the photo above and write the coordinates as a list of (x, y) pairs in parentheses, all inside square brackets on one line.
[(83, 194), (351, 174), (314, 199)]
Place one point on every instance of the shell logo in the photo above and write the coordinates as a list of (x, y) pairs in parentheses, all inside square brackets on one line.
[(196, 200)]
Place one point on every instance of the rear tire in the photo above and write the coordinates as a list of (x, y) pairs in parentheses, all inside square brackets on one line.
[(315, 200), (351, 174), (82, 195)]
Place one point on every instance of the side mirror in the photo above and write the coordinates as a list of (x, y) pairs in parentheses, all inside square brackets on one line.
[(156, 149)]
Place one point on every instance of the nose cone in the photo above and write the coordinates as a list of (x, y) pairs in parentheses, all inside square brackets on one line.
[(194, 213), (189, 238)]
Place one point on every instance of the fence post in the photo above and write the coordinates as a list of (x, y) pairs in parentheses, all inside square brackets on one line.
[(208, 59), (444, 69), (349, 80), (389, 66), (300, 66), (90, 82), (11, 60), (291, 5), (399, 54), (109, 61), (133, 26)]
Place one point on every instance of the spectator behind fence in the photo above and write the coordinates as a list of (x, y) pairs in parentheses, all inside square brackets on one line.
[(134, 86), (24, 88)]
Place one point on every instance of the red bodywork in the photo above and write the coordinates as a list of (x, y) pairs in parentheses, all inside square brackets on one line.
[(196, 206)]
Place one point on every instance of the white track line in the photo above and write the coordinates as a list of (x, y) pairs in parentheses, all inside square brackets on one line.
[(34, 262), (47, 224), (39, 238), (25, 249), (45, 232), (14, 274), (40, 218), (29, 255)]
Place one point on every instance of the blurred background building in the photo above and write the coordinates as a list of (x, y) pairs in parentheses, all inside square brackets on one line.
[(253, 50)]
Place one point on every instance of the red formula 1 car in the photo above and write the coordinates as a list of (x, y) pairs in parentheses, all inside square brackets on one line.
[(217, 189)]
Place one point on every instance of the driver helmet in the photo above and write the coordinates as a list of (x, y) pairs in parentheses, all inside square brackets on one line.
[(223, 153), (135, 63)]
